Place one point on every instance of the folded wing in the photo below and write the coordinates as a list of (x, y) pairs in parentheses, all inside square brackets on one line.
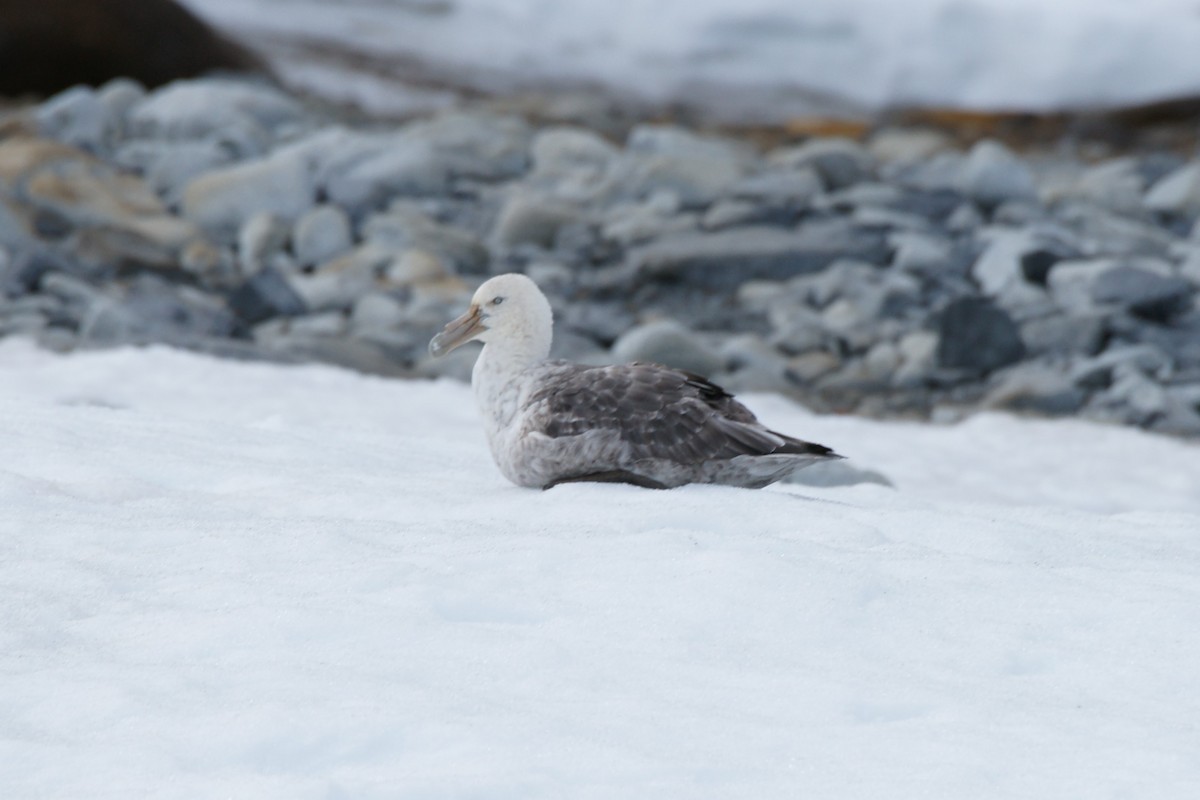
[(657, 413)]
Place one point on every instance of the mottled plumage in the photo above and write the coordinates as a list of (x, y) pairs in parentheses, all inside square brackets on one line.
[(551, 422)]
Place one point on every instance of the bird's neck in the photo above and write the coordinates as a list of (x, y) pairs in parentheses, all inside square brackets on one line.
[(496, 379), (517, 351)]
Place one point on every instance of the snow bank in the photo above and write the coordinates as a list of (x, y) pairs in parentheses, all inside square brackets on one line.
[(223, 579), (989, 54)]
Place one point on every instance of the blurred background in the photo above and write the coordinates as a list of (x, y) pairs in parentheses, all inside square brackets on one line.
[(916, 209), (755, 62)]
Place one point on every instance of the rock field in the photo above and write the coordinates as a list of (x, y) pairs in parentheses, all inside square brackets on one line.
[(897, 276)]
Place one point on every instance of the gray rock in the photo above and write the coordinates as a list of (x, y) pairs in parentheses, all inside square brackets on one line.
[(553, 277), (696, 182), (724, 259), (889, 219), (313, 341), (374, 312), (1036, 388), (214, 266), (527, 218), (573, 163), (1070, 282), (851, 384), (1177, 192), (992, 175), (867, 194), (1106, 232), (72, 291), (27, 324), (242, 114), (1181, 416), (839, 162), (571, 346), (671, 140), (903, 146), (415, 267), (753, 366), (31, 314), (794, 188), (409, 167), (480, 146), (1146, 294), (267, 294), (336, 285), (406, 227), (14, 232), (41, 304), (320, 234), (220, 201), (262, 235), (120, 95), (1157, 164), (964, 219), (796, 328), (976, 336), (1019, 213), (169, 166), (363, 172), (116, 217), (761, 295), (919, 252), (1116, 184), (25, 270), (882, 361), (564, 150), (152, 310), (998, 267), (1187, 266), (806, 369), (603, 321), (843, 278), (697, 169), (1099, 371), (854, 320), (941, 173), (1132, 398), (1063, 334), (667, 342), (79, 118), (1037, 263), (730, 213), (651, 218), (918, 358), (321, 324), (1180, 338), (109, 324)]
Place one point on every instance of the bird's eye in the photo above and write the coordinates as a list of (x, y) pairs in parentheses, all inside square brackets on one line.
[(497, 301)]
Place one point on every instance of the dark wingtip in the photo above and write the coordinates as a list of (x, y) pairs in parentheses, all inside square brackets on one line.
[(822, 450), (801, 447)]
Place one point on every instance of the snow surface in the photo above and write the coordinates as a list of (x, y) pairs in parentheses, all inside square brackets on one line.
[(237, 580), (988, 54)]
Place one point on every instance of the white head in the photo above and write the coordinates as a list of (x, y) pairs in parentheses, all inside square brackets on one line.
[(508, 312)]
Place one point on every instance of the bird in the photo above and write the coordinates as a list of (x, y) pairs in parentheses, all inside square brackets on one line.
[(550, 422)]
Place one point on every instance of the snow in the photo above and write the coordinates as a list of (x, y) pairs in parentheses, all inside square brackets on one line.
[(871, 54), (222, 579)]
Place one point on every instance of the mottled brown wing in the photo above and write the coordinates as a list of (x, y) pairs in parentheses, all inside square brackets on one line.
[(658, 412)]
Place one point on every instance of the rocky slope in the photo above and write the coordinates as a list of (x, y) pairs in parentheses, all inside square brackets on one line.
[(896, 275)]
